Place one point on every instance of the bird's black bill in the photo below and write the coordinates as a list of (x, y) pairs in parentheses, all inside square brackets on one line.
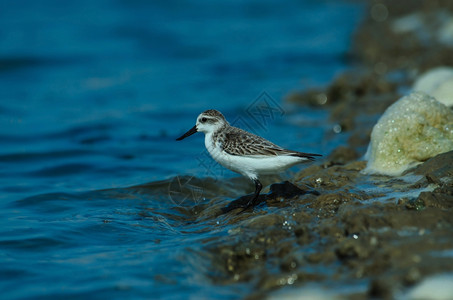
[(188, 133)]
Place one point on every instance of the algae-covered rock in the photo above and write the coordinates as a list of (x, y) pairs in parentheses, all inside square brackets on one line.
[(437, 82), (412, 130)]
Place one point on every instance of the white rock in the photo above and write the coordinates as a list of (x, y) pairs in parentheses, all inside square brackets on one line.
[(437, 82), (412, 130), (437, 287)]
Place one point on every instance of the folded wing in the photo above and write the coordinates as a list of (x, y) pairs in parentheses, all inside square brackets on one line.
[(240, 142)]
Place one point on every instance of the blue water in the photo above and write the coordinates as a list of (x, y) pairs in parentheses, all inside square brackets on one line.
[(93, 94)]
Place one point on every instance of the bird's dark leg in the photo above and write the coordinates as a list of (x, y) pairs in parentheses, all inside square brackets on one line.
[(240, 203), (254, 201)]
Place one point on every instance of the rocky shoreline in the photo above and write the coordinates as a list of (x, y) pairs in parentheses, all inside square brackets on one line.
[(359, 236)]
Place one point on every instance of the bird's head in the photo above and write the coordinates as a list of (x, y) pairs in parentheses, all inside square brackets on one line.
[(208, 121)]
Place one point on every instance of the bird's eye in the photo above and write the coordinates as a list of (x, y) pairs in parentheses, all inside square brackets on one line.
[(203, 120)]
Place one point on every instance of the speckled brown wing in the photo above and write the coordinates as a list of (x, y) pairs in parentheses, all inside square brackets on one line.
[(239, 142), (236, 141)]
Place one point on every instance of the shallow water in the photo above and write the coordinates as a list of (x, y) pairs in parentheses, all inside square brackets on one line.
[(93, 198)]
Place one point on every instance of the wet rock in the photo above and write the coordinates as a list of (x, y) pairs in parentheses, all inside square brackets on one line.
[(351, 249), (284, 190), (382, 288), (332, 231), (287, 190), (325, 257), (328, 176), (439, 198), (265, 221), (415, 204), (328, 204), (352, 95), (274, 281), (360, 139), (289, 263), (437, 169), (343, 154), (303, 234), (417, 47), (391, 233)]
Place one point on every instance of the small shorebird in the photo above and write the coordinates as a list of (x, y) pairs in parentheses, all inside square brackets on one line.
[(244, 152)]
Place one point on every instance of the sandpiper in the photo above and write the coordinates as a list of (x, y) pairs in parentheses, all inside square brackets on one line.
[(244, 152)]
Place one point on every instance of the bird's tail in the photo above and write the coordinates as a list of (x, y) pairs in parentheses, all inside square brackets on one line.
[(310, 156)]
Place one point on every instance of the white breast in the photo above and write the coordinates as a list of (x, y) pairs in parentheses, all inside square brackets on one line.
[(250, 166)]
